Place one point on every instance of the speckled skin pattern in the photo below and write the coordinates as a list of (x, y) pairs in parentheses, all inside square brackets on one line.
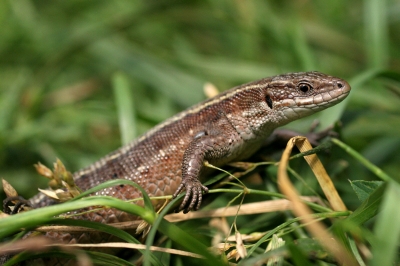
[(229, 127)]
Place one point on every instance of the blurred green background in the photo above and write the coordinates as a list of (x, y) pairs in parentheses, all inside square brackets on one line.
[(61, 62)]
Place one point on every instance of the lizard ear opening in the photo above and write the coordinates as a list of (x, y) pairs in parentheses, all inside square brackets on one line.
[(269, 101)]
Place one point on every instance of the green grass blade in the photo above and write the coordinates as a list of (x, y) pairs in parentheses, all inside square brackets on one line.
[(125, 107), (387, 229), (373, 168), (375, 18)]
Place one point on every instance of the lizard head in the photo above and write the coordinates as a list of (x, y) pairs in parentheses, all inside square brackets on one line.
[(296, 95), (259, 107)]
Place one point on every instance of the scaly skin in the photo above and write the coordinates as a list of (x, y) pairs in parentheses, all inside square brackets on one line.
[(229, 127)]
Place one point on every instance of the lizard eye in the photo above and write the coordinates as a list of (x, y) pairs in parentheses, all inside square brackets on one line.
[(305, 87), (269, 101)]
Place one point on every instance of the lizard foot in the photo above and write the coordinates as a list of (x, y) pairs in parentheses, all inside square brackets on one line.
[(194, 195)]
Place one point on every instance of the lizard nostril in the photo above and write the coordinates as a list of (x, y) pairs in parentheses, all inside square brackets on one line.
[(340, 85)]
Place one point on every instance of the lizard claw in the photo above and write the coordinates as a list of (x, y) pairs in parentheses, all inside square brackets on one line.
[(194, 195)]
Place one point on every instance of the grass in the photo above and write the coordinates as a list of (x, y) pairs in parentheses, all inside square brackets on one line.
[(79, 79)]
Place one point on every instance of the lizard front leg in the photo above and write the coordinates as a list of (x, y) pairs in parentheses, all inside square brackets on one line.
[(210, 144)]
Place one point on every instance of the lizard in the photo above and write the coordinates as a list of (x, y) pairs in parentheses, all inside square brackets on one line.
[(231, 126)]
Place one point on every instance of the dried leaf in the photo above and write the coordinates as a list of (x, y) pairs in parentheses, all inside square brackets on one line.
[(144, 227), (8, 189), (243, 165), (233, 254), (316, 228), (49, 193), (43, 170), (255, 236), (240, 246), (210, 90)]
